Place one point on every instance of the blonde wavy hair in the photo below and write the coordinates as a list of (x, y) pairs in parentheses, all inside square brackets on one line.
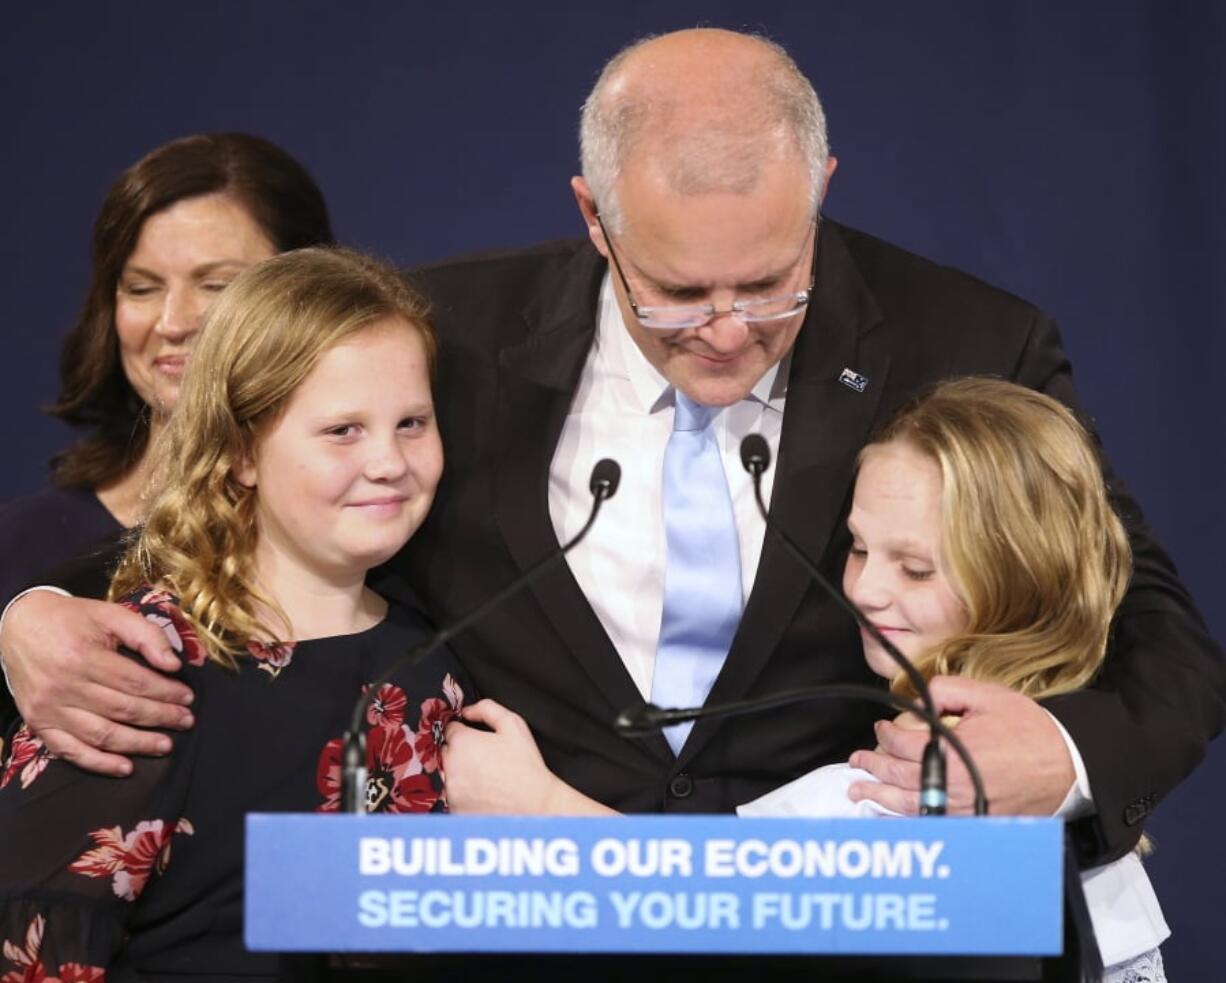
[(1029, 541), (260, 340)]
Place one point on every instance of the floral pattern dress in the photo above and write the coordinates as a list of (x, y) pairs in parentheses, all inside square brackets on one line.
[(141, 877)]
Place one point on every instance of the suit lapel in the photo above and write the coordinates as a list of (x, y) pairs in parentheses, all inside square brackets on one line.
[(538, 378), (825, 424)]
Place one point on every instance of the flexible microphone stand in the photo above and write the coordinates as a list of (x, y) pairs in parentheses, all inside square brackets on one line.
[(644, 719), (756, 458), (606, 476), (647, 718)]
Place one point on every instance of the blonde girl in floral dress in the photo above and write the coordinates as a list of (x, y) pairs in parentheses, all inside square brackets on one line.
[(303, 452)]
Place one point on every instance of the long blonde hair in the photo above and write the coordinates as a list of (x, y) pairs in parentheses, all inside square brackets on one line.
[(1029, 541), (261, 339)]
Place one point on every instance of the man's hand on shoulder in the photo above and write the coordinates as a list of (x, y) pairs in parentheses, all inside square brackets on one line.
[(87, 702), (1017, 746)]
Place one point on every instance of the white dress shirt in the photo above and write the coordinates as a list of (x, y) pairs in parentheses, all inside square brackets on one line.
[(623, 409)]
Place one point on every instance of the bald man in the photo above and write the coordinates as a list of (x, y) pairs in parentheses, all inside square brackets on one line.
[(708, 284)]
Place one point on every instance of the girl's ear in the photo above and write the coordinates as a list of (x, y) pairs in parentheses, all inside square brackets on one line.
[(244, 471)]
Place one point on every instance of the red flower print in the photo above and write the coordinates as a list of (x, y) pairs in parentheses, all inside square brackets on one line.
[(30, 968), (76, 973), (387, 708), (26, 957), (161, 607), (130, 859), (394, 782), (436, 714), (402, 763), (155, 597), (271, 657), (34, 973), (388, 750), (328, 776), (416, 793), (193, 652), (28, 755), (452, 692)]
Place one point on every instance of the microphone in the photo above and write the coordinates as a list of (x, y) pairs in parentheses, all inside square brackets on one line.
[(755, 456), (645, 719), (756, 459), (606, 476)]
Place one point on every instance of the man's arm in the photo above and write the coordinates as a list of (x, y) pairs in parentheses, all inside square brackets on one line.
[(1139, 728), (84, 700), (47, 812), (1160, 698), (1015, 743)]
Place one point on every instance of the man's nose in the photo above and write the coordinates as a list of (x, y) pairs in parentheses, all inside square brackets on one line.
[(726, 332)]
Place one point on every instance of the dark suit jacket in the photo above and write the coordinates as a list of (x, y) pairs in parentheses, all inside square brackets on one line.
[(515, 331)]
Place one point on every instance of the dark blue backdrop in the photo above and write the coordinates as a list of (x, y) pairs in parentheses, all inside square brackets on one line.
[(1072, 153)]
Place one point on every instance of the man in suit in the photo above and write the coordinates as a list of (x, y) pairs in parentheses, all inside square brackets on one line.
[(710, 285), (704, 165)]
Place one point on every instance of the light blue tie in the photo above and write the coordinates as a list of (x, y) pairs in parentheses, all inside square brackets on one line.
[(702, 579)]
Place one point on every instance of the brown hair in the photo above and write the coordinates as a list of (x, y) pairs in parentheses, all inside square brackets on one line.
[(261, 339), (94, 391)]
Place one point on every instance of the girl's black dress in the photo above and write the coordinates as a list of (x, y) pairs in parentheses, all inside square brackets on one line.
[(142, 877)]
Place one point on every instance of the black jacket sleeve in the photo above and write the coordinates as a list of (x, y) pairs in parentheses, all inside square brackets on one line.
[(1148, 718)]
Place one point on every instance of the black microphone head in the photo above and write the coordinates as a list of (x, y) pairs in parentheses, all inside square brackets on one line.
[(638, 721), (755, 454), (606, 476)]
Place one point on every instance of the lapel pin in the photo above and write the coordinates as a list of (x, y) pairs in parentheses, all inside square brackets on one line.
[(853, 380)]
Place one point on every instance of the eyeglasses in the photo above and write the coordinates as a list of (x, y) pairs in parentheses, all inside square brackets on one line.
[(679, 317)]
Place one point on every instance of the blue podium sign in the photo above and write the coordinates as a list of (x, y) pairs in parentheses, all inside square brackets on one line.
[(662, 884)]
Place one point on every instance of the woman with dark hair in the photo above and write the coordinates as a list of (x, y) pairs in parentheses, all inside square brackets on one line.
[(175, 228)]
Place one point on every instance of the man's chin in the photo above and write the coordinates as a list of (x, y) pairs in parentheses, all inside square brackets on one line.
[(716, 389)]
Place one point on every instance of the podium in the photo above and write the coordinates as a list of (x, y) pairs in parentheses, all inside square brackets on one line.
[(666, 897)]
